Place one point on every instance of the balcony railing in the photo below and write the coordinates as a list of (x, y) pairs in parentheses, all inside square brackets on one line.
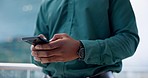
[(19, 67), (127, 72)]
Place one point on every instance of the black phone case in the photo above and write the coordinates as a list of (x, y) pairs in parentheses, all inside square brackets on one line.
[(35, 40)]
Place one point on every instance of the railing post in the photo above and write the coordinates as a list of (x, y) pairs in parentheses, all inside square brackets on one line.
[(28, 73)]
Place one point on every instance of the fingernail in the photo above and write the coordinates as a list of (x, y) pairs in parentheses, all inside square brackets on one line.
[(37, 47), (34, 53), (37, 59)]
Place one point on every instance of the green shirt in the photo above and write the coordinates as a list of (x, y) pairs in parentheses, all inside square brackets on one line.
[(107, 29)]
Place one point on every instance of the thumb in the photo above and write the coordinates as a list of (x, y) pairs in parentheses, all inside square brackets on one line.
[(56, 36), (42, 36)]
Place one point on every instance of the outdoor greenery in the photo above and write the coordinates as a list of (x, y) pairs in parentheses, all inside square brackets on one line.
[(14, 51)]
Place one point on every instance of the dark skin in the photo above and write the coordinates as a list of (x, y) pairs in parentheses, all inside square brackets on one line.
[(61, 48)]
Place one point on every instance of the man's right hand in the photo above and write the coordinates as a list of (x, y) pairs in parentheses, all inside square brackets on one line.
[(61, 48)]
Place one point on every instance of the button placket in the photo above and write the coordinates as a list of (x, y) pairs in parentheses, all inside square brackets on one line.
[(70, 15), (69, 24)]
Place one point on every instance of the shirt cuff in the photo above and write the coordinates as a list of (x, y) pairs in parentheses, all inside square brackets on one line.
[(92, 54)]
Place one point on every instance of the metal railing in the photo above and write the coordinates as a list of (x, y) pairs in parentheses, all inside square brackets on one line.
[(20, 66), (127, 72)]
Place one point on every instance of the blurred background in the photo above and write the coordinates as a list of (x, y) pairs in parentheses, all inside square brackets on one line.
[(17, 20)]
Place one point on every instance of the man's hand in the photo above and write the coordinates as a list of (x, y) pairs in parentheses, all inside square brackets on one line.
[(61, 48)]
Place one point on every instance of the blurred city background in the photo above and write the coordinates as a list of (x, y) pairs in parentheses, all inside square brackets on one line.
[(17, 20)]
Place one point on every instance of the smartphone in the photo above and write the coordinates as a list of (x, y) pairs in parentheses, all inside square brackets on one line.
[(35, 40)]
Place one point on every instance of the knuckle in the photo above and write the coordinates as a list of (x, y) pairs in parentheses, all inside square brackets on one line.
[(56, 34), (64, 34), (37, 47)]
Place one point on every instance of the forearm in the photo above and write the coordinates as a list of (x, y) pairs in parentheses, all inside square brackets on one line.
[(110, 50)]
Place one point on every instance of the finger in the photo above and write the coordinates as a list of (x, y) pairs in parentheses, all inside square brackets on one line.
[(52, 59), (34, 53), (42, 47), (42, 36), (32, 48), (56, 36), (47, 53), (51, 45), (37, 59)]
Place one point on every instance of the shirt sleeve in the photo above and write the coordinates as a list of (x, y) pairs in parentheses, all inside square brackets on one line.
[(41, 28), (124, 39)]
